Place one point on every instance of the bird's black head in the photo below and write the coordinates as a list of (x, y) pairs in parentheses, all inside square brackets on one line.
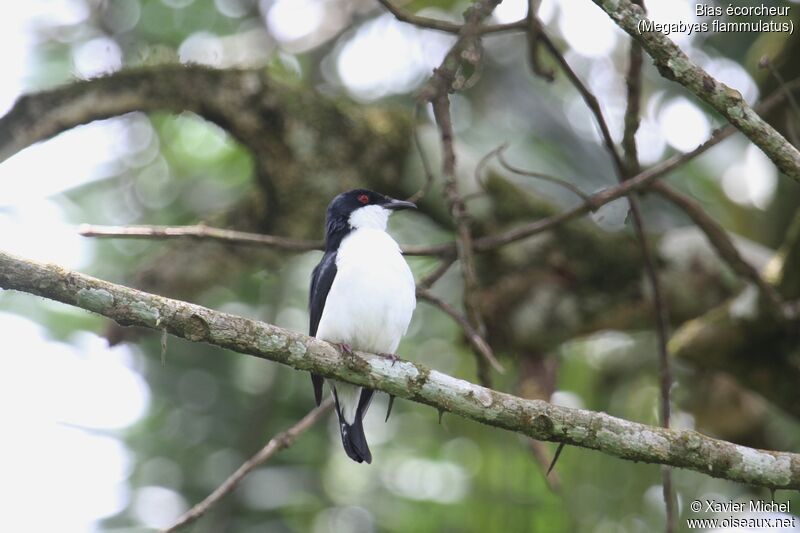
[(359, 208)]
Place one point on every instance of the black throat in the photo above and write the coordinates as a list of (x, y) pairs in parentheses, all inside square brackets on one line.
[(336, 229)]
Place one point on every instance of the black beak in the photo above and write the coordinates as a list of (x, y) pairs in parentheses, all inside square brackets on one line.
[(397, 205)]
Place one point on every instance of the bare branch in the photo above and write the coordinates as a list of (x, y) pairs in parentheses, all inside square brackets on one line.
[(785, 267), (464, 246), (444, 80), (791, 125), (782, 85), (428, 280), (588, 97), (539, 175), (474, 338), (625, 172), (39, 116), (534, 418), (200, 231), (479, 168), (426, 166), (633, 84), (639, 182), (277, 443), (443, 25), (722, 243), (534, 44)]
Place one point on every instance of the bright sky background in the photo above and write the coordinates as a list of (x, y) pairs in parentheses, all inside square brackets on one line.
[(62, 405), (60, 444)]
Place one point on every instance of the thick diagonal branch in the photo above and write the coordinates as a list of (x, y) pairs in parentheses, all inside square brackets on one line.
[(534, 418), (210, 93)]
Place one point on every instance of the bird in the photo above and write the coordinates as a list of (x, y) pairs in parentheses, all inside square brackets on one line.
[(362, 297)]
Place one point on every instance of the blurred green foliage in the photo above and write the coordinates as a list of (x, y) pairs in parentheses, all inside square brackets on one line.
[(210, 410)]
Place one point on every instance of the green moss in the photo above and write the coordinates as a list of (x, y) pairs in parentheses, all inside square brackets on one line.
[(145, 313), (97, 300), (355, 362), (297, 350), (416, 383), (271, 343)]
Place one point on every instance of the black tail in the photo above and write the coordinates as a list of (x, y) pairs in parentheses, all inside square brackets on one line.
[(353, 438)]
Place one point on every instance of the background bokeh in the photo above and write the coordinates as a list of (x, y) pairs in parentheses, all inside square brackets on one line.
[(125, 438)]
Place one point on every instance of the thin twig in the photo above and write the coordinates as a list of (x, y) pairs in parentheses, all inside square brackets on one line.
[(482, 165), (722, 243), (786, 91), (446, 26), (200, 231), (765, 62), (445, 250), (475, 339), (428, 280), (662, 333), (534, 44), (673, 64), (625, 172), (539, 175), (464, 246), (277, 443), (633, 82), (445, 79), (588, 97), (426, 166), (641, 181)]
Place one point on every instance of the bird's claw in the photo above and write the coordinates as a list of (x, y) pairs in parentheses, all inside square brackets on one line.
[(346, 348), (390, 356)]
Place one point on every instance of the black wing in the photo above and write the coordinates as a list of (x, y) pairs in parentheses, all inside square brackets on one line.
[(321, 281)]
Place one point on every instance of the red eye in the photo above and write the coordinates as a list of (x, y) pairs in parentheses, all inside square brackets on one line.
[(363, 198)]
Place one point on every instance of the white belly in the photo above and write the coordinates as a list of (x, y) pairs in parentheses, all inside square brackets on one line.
[(372, 296)]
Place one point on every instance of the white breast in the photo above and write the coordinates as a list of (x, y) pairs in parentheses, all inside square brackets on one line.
[(372, 297)]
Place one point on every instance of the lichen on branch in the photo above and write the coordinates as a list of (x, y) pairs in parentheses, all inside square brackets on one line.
[(534, 418)]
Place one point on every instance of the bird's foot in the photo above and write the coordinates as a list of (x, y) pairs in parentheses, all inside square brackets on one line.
[(345, 348), (390, 356)]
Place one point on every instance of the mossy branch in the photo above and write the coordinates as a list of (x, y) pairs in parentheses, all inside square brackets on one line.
[(214, 94), (534, 418)]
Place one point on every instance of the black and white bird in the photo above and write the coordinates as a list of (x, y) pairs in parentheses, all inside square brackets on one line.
[(362, 298)]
